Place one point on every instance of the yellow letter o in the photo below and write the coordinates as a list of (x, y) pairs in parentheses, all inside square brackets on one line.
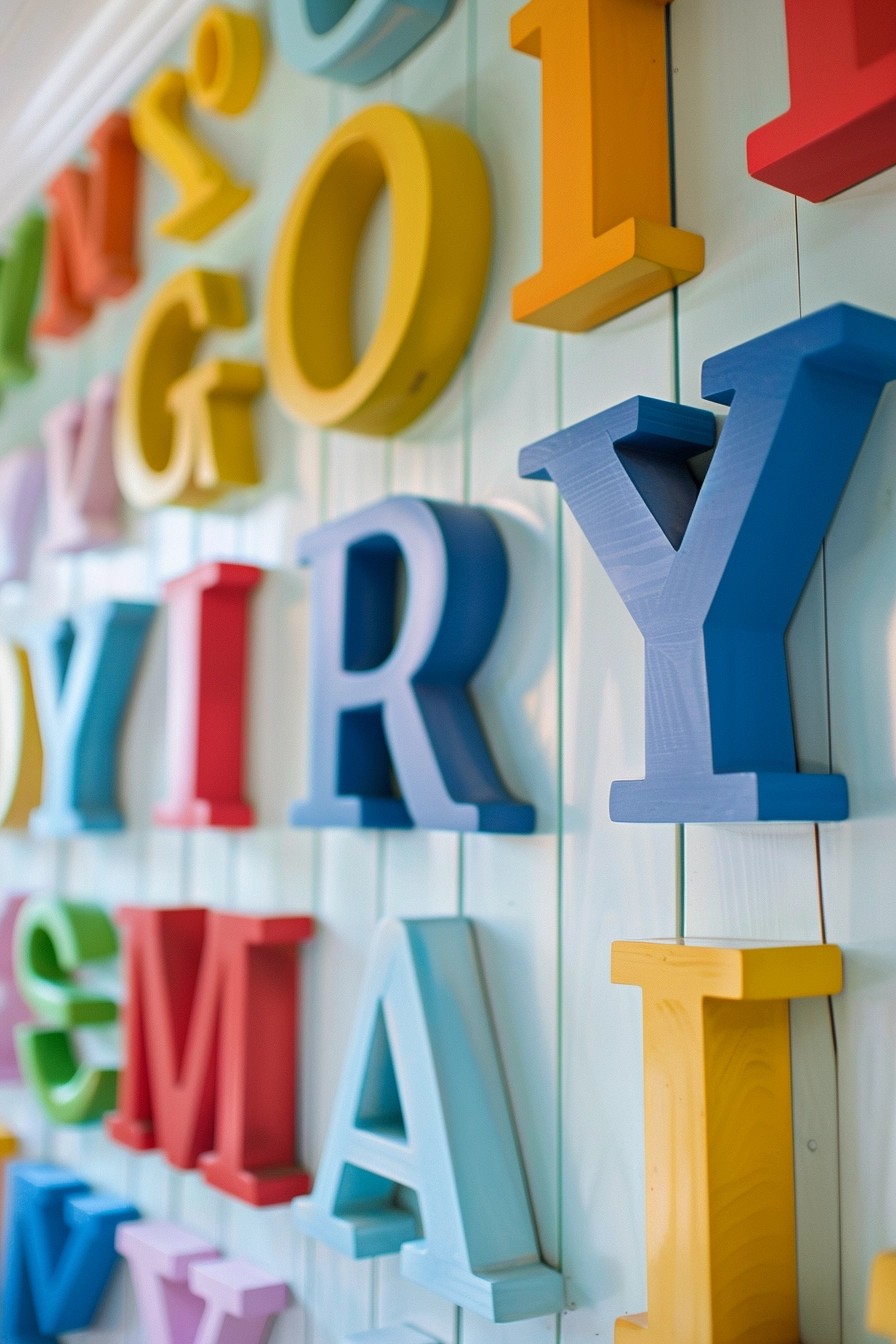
[(441, 241)]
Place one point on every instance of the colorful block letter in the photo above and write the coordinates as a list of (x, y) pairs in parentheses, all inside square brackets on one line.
[(382, 703), (9, 1146), (59, 1252), (13, 1009), (186, 1294), (421, 1105), (184, 434), (83, 671), (841, 125), (83, 500), (226, 61), (721, 1228), (90, 249), (208, 193), (21, 753), (211, 1044), (207, 627), (880, 1317), (712, 575), (353, 41), (19, 280), (54, 940), (21, 495), (607, 237), (441, 243)]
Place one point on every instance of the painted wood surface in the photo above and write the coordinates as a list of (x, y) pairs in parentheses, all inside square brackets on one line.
[(561, 695)]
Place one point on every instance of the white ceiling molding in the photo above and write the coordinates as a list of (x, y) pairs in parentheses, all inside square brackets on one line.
[(62, 68)]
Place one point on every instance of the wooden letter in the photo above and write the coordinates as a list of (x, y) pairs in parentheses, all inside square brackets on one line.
[(607, 238), (226, 61), (207, 626), (354, 42), (721, 1234), (208, 194), (83, 499), (21, 753), (13, 1009), (19, 280), (880, 1317), (211, 1044), (187, 1294), (841, 125), (59, 1252), (421, 1105), (441, 241), (711, 576), (22, 480), (90, 250), (83, 673), (54, 940), (384, 705), (184, 434)]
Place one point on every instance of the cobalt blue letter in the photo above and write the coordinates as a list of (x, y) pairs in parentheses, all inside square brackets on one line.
[(59, 1253), (353, 41), (712, 574), (82, 673), (381, 701), (422, 1107)]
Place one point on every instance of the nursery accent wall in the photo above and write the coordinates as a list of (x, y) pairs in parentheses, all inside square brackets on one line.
[(559, 689)]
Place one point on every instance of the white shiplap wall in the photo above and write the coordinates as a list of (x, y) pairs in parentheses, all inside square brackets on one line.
[(561, 691)]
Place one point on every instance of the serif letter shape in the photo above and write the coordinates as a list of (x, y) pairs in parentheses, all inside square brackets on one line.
[(90, 249), (83, 671), (207, 627), (841, 125), (421, 1106), (607, 238), (211, 1046), (54, 940), (83, 499), (382, 702), (721, 1225), (187, 1294), (59, 1252), (712, 575)]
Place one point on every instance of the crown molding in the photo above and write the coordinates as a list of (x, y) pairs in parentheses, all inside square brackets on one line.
[(59, 81)]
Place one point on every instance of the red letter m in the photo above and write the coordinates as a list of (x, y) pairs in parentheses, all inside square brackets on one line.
[(210, 1046)]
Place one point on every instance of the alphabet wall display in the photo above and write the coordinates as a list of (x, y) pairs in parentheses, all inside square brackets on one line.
[(187, 1294), (20, 272), (422, 1070), (59, 1252), (384, 703), (13, 1009), (608, 242), (441, 245), (353, 41), (227, 55), (55, 941), (91, 239), (721, 1227), (83, 670), (208, 612), (184, 434), (841, 125), (83, 499), (21, 751), (203, 990), (712, 575)]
